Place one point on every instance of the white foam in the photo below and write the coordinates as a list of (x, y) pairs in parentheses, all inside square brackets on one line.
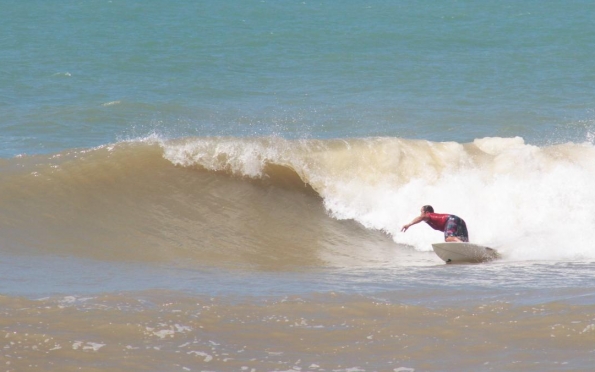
[(529, 202), (207, 357), (86, 346), (242, 157)]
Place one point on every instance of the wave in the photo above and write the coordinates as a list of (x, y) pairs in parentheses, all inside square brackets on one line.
[(272, 203)]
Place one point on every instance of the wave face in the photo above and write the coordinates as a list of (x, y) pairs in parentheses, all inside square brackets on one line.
[(275, 204)]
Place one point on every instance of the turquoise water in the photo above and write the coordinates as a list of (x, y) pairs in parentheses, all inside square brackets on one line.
[(82, 74)]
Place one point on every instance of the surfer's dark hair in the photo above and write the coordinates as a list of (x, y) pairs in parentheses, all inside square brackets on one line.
[(427, 209)]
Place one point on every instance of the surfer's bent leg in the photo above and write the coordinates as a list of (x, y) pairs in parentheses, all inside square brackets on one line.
[(456, 228)]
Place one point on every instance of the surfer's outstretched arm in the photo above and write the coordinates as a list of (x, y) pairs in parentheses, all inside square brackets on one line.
[(416, 220)]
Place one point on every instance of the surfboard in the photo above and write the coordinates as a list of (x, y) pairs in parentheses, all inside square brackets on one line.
[(455, 252)]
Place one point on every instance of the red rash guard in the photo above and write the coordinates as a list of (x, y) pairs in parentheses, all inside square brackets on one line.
[(437, 221)]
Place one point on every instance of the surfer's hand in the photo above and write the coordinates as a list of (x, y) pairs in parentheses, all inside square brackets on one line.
[(404, 228)]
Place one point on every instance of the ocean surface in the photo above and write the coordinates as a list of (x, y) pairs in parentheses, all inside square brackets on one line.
[(221, 186)]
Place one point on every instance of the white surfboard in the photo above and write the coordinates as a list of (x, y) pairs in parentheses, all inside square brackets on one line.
[(455, 252)]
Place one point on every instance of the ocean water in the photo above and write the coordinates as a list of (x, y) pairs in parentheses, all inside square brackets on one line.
[(220, 186)]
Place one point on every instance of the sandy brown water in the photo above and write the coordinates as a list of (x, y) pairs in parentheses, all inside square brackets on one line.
[(172, 331)]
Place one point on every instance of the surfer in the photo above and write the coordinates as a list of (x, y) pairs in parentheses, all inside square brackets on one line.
[(455, 229)]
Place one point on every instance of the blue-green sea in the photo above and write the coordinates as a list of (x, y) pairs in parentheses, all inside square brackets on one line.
[(86, 73), (222, 185)]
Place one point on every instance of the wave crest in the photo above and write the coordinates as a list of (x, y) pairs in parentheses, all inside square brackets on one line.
[(274, 202)]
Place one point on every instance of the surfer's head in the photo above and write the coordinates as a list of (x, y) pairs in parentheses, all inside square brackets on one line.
[(427, 209)]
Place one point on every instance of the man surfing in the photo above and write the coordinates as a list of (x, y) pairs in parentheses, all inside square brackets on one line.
[(455, 229)]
